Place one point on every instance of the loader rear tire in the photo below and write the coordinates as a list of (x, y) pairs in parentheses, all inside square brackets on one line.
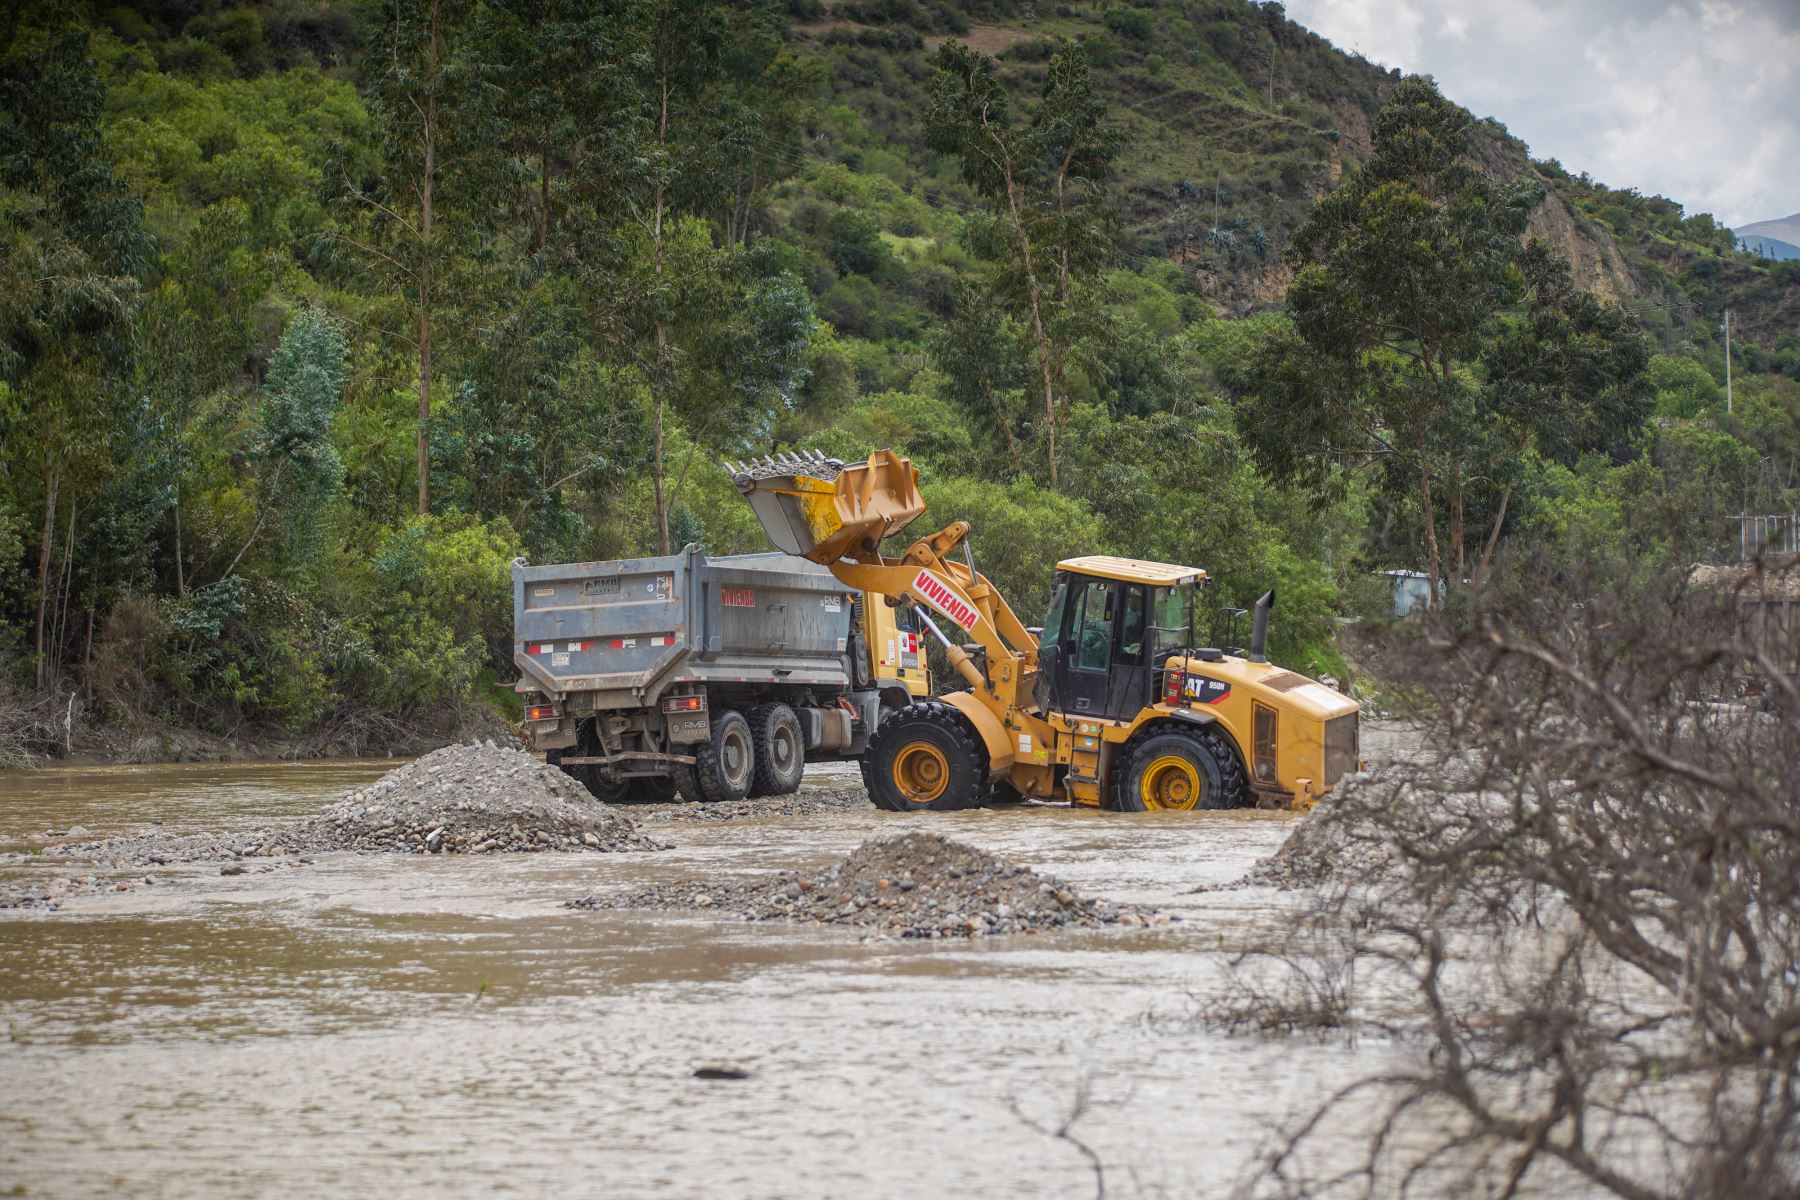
[(1178, 770), (724, 765), (780, 749), (924, 758)]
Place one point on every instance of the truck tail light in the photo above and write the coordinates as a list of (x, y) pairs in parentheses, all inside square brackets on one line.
[(541, 712), (1173, 678), (684, 704)]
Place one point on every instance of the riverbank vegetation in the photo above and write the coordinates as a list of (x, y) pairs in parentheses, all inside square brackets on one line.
[(314, 315)]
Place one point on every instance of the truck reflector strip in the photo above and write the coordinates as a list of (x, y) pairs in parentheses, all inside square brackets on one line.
[(630, 643)]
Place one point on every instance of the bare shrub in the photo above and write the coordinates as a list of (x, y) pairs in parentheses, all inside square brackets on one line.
[(123, 672), (1588, 925), (30, 723)]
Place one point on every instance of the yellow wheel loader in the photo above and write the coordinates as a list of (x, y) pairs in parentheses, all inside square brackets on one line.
[(1112, 703)]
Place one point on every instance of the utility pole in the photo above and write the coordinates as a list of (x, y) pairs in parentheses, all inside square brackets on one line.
[(1728, 362)]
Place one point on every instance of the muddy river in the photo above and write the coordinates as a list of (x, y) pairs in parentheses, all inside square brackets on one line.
[(368, 1024)]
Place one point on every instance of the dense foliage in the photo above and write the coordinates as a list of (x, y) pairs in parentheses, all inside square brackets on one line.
[(313, 315)]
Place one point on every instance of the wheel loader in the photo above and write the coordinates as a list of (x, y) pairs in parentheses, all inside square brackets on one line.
[(1111, 703)]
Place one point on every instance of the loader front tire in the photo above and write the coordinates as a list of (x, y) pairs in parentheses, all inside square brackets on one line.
[(724, 765), (924, 758), (1178, 770), (780, 749)]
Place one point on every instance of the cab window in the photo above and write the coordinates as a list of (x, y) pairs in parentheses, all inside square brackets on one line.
[(1059, 600), (1091, 626), (1171, 619), (1131, 626)]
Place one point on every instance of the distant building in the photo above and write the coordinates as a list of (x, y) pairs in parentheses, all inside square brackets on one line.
[(1766, 595), (1411, 590)]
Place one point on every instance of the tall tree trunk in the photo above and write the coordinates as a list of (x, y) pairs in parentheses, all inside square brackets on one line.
[(1493, 539), (43, 596), (1037, 324), (1435, 564), (657, 382), (429, 176), (180, 569), (1456, 529)]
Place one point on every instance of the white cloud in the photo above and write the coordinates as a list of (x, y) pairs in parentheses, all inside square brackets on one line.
[(1697, 100)]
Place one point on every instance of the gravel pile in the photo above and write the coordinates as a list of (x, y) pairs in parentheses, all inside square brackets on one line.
[(918, 885), (1338, 841), (808, 801), (476, 798)]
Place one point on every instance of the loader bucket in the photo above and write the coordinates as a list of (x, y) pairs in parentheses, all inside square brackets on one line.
[(818, 508)]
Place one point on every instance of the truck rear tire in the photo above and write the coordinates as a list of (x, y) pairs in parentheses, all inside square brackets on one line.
[(653, 789), (606, 790), (780, 749), (1178, 770), (924, 758), (724, 765)]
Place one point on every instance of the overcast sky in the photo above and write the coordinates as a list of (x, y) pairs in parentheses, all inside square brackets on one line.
[(1697, 100)]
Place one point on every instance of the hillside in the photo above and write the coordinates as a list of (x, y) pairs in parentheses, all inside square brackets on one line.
[(287, 384), (1237, 119)]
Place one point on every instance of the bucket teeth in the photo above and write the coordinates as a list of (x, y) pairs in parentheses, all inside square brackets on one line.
[(815, 463)]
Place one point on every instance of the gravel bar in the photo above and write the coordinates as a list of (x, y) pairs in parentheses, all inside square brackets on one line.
[(917, 885)]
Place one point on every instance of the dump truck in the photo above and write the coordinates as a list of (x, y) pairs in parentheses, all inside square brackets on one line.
[(1111, 703), (717, 678)]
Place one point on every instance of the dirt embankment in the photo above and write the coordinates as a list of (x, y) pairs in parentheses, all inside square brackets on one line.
[(917, 885), (476, 798)]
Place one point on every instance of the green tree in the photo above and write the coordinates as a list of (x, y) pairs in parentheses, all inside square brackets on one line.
[(71, 264), (1403, 274), (433, 109), (1043, 177)]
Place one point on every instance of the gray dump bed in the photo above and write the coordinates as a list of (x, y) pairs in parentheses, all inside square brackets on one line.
[(626, 630)]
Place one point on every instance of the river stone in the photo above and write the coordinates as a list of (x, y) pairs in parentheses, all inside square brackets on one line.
[(947, 889)]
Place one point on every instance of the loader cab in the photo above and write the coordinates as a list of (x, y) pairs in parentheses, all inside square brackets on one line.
[(1112, 623)]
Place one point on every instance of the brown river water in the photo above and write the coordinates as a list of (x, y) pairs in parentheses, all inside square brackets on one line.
[(378, 1024)]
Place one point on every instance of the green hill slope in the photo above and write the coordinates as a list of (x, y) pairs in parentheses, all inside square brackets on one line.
[(213, 435)]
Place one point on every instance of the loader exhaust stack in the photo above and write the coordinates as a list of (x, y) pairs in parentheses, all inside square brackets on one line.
[(1259, 632), (822, 509)]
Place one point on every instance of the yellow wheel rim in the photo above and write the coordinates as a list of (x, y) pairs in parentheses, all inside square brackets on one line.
[(1171, 783), (921, 772)]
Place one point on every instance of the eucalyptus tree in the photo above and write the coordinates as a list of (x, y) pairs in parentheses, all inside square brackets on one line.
[(73, 254), (435, 111), (1042, 175), (1406, 279)]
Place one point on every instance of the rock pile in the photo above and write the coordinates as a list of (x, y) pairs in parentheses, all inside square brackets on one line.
[(1338, 841), (476, 798), (918, 885), (810, 800)]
